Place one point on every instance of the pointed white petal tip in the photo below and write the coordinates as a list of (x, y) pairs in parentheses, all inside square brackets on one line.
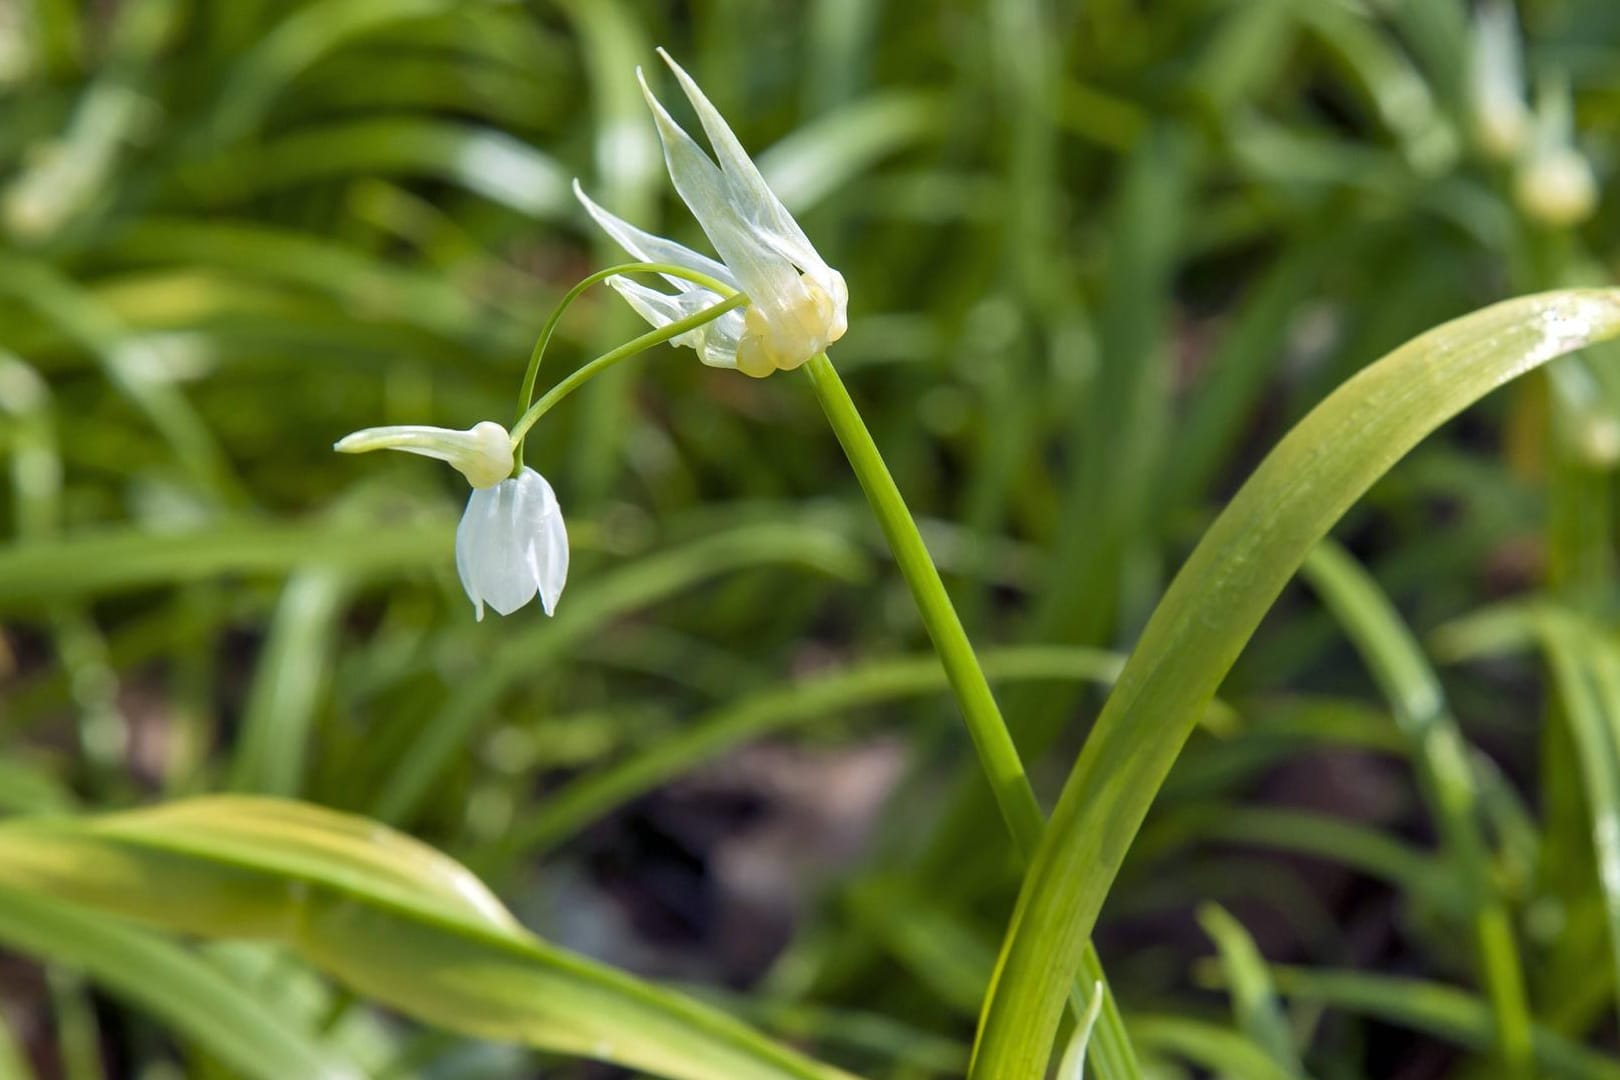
[(512, 545), (482, 453), (798, 305)]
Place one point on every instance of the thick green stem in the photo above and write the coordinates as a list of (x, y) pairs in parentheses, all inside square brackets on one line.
[(1111, 1049)]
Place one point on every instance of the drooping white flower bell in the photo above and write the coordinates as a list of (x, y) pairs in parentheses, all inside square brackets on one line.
[(511, 543), (797, 303)]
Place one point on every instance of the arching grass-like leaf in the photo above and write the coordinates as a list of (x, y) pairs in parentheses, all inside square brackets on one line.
[(1195, 635), (1254, 999), (385, 915), (1443, 1011), (190, 995)]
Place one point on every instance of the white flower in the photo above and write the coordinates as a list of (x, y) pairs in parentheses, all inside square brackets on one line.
[(797, 303), (511, 543), (1501, 118), (1553, 182)]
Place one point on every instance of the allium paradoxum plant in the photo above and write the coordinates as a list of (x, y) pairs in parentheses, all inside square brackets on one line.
[(511, 543), (769, 303)]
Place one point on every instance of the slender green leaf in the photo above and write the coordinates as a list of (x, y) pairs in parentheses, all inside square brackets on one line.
[(1254, 999), (1442, 1011), (1314, 475), (1445, 765)]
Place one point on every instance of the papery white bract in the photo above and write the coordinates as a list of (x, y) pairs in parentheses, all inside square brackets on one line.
[(511, 544), (482, 453), (797, 303)]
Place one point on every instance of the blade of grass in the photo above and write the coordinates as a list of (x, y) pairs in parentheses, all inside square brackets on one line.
[(277, 722), (114, 561), (808, 166), (1447, 778), (1585, 670), (295, 43), (484, 161), (1367, 850), (1254, 999), (126, 361), (1442, 1011), (1221, 1050)]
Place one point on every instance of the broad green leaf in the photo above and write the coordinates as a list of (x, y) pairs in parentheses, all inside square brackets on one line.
[(191, 996), (1209, 612), (387, 916)]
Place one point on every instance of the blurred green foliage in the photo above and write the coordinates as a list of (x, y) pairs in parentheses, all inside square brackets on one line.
[(1101, 256)]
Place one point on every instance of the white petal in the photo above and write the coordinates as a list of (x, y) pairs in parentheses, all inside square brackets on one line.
[(645, 246), (769, 279), (715, 341), (474, 520), (512, 544), (749, 191), (538, 519), (798, 304)]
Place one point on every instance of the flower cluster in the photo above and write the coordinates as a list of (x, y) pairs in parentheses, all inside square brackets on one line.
[(511, 544)]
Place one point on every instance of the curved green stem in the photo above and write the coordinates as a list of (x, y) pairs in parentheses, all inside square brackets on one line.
[(526, 394), (586, 372), (1111, 1048)]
